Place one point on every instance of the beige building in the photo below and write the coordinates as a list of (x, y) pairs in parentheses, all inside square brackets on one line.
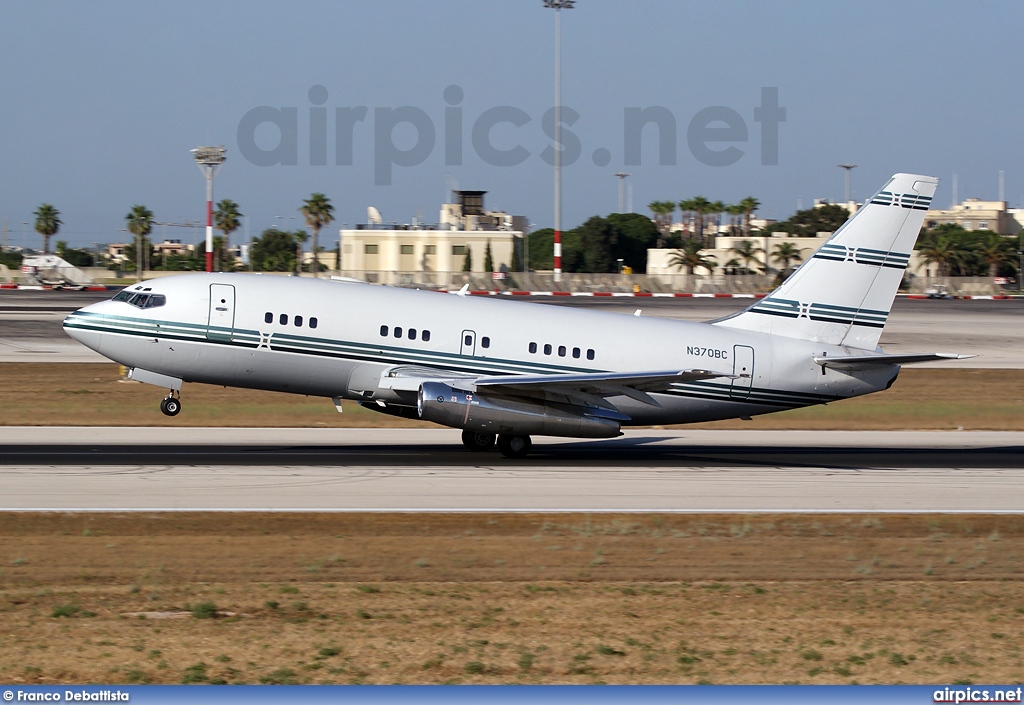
[(377, 252), (975, 214)]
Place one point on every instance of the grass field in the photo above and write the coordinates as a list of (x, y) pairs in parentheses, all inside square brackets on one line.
[(403, 598), (93, 394)]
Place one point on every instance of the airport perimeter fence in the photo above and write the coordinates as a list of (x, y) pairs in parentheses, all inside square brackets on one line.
[(546, 281)]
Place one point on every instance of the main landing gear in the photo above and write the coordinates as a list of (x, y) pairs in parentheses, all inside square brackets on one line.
[(171, 405), (477, 441), (514, 446), (509, 446)]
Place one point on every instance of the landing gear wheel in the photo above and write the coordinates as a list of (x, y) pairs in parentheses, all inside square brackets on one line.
[(477, 441), (170, 406), (514, 446)]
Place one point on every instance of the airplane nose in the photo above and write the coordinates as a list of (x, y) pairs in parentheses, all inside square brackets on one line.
[(77, 326)]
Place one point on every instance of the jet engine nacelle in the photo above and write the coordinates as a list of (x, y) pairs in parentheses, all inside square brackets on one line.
[(472, 411)]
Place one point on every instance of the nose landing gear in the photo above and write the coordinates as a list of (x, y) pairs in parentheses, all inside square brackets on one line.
[(171, 404)]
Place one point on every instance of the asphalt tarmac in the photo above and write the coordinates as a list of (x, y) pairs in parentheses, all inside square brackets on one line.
[(427, 470)]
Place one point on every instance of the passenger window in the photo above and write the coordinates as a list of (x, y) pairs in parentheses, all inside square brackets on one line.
[(533, 347), (412, 334), (485, 342), (590, 354), (468, 340), (268, 317), (547, 348), (312, 322), (398, 332), (426, 336), (576, 353), (561, 351), (298, 321), (384, 331), (283, 319)]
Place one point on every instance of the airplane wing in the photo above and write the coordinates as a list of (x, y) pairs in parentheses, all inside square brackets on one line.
[(864, 362), (587, 387)]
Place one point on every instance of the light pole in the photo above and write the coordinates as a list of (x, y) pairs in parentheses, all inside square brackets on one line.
[(558, 6), (848, 168), (209, 160), (622, 193)]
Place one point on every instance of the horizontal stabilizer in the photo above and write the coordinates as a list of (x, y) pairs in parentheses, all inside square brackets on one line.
[(863, 362)]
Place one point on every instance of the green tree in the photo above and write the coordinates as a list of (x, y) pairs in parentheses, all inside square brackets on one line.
[(808, 223), (299, 237), (663, 211), (690, 256), (749, 204), (488, 258), (48, 223), (467, 261), (228, 219), (997, 251), (517, 258), (786, 253), (946, 251), (318, 212), (735, 212), (634, 235), (140, 224), (699, 206), (273, 251), (748, 250), (76, 258), (541, 249), (598, 241)]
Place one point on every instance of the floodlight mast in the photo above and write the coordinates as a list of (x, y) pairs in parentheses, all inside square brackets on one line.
[(209, 160), (558, 6)]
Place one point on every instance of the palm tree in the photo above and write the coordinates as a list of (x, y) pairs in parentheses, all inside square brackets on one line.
[(47, 224), (663, 211), (228, 220), (140, 224), (716, 209), (997, 250), (300, 237), (748, 252), (690, 257), (735, 212), (785, 253), (946, 251), (318, 212), (700, 206), (750, 204)]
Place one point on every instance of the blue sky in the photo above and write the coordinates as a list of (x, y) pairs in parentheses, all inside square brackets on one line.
[(101, 102)]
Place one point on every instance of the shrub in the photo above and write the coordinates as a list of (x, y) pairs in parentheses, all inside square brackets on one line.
[(204, 610)]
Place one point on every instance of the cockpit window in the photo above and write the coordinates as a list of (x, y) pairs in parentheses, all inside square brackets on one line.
[(140, 300)]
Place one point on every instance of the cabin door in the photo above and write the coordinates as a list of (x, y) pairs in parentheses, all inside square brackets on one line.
[(222, 312), (743, 367)]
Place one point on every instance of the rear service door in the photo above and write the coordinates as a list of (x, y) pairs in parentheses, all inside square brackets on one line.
[(222, 312), (743, 366)]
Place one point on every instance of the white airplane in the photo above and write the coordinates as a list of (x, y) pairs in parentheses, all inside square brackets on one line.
[(504, 371)]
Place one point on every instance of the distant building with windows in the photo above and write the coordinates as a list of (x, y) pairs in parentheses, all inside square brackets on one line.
[(374, 251), (975, 214)]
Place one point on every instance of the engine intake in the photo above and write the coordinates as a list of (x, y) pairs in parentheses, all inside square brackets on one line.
[(459, 408)]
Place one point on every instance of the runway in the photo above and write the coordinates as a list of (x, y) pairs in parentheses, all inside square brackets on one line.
[(427, 470)]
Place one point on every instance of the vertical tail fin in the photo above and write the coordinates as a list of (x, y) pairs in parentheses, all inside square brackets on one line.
[(842, 294)]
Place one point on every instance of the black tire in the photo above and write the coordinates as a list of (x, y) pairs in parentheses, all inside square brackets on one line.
[(514, 446), (478, 441), (170, 406)]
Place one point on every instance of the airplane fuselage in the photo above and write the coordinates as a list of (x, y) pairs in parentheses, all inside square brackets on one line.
[(340, 339)]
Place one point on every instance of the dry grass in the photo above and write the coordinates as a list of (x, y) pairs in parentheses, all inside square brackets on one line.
[(91, 394), (478, 598)]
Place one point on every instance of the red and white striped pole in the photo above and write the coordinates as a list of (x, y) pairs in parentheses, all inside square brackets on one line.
[(209, 159), (209, 221)]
